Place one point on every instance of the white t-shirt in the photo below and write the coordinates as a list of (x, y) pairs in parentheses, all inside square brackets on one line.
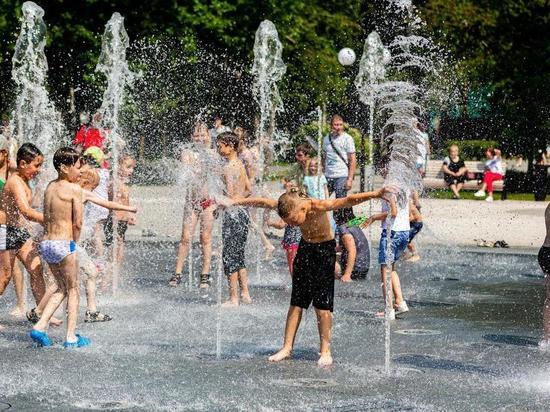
[(315, 186), (335, 166), (401, 222), (495, 165), (92, 212)]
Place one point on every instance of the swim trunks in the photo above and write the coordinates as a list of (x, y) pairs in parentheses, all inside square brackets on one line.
[(122, 227), (313, 275), (16, 237), (54, 251), (291, 237), (399, 242), (234, 235), (362, 249)]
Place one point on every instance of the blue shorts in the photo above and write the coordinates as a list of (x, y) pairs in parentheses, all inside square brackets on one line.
[(416, 227), (399, 242)]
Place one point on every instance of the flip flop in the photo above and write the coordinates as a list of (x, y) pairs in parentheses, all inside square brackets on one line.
[(81, 341), (41, 338)]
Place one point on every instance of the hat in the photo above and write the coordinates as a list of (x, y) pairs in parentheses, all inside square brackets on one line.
[(95, 153)]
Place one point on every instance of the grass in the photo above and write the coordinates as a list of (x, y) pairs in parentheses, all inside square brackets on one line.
[(469, 194)]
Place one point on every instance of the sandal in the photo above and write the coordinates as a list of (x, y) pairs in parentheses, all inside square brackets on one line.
[(96, 316), (206, 281), (175, 280), (32, 316)]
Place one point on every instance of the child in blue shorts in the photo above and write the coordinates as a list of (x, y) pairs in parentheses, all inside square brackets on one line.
[(399, 239)]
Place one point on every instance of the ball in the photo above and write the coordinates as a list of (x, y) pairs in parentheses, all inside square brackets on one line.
[(346, 56)]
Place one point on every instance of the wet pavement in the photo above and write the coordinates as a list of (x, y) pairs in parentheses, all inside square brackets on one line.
[(468, 343)]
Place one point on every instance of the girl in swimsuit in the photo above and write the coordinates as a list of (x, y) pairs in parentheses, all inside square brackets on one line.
[(198, 206)]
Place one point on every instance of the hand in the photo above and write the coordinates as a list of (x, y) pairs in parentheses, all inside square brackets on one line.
[(367, 222), (346, 278), (132, 220), (349, 183), (132, 209), (224, 201)]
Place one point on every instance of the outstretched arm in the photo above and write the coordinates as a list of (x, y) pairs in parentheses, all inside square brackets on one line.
[(260, 202), (355, 199), (107, 204)]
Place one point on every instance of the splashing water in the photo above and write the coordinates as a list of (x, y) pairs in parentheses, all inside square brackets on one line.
[(112, 63), (268, 69), (35, 118)]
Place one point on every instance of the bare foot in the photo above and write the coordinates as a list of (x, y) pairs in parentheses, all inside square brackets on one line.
[(55, 321), (346, 279), (230, 304), (269, 252), (246, 299), (18, 312), (281, 355), (325, 360), (413, 258)]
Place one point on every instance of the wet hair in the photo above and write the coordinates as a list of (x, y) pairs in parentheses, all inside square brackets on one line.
[(305, 149), (65, 156), (287, 201), (229, 138), (28, 152), (342, 216)]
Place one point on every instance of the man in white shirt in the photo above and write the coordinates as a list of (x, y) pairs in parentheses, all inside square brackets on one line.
[(339, 158)]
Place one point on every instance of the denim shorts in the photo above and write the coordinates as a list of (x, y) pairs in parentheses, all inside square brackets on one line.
[(399, 242)]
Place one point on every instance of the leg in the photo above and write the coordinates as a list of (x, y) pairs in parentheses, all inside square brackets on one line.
[(324, 324), (69, 270), (290, 256), (28, 254), (7, 259), (188, 227), (52, 303), (454, 189), (19, 286), (396, 287), (459, 187), (340, 187), (207, 223), (293, 320), (243, 283), (233, 281), (268, 247)]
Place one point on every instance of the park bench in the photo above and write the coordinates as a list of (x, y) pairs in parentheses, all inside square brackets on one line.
[(434, 176)]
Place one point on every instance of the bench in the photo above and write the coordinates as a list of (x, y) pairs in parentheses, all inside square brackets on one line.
[(433, 178)]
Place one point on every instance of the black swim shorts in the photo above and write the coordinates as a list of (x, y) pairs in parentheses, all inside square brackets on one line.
[(234, 235), (313, 275), (16, 237), (122, 227)]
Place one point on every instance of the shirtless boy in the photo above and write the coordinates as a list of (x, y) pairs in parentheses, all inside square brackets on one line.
[(313, 276), (15, 212), (62, 225), (235, 221)]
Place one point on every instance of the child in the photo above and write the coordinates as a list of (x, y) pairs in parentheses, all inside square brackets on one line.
[(354, 245), (313, 277), (15, 239), (316, 185), (89, 179), (62, 225), (235, 222), (399, 238), (120, 219), (198, 205), (415, 219), (290, 242)]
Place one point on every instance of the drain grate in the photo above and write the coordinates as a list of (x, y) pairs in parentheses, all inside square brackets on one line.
[(418, 332)]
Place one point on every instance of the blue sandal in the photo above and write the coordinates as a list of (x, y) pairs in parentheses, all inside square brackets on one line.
[(41, 338), (81, 341)]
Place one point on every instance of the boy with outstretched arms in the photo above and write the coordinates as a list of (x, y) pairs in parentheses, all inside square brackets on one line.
[(235, 222), (313, 276), (62, 224)]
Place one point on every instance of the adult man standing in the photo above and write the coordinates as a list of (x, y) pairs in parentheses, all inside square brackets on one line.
[(339, 158)]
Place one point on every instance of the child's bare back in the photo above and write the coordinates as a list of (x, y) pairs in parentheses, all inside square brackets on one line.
[(62, 210)]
